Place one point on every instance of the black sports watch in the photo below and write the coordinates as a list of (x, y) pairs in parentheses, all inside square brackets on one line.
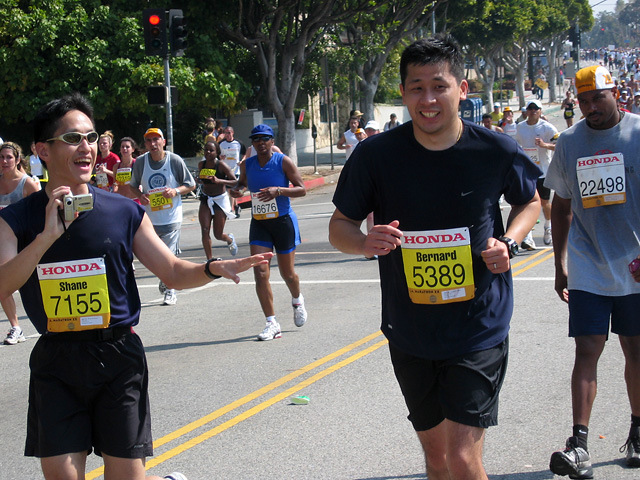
[(208, 272), (512, 246)]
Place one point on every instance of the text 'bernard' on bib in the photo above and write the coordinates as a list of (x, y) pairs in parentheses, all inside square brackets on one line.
[(438, 265)]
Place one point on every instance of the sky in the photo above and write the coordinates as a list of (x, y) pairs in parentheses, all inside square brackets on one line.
[(606, 6)]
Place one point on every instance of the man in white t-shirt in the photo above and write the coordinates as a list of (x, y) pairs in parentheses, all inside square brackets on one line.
[(537, 137)]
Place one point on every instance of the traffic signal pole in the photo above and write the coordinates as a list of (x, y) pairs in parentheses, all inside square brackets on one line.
[(167, 104), (155, 38)]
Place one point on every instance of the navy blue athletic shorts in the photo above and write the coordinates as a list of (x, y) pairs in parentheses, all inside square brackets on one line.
[(281, 233), (462, 389), (591, 314)]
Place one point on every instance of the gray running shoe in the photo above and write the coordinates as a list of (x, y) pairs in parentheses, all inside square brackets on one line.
[(573, 461), (162, 288), (233, 246)]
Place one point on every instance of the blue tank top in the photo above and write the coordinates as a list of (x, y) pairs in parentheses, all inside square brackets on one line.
[(107, 231), (271, 175)]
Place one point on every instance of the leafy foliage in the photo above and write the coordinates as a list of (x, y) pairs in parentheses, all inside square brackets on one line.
[(49, 48)]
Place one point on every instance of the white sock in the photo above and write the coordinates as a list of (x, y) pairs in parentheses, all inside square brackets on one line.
[(272, 318), (297, 301), (547, 224)]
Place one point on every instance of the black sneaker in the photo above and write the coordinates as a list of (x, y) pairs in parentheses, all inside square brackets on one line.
[(632, 446), (573, 461)]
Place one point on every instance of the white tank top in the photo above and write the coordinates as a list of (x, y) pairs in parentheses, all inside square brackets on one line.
[(154, 179)]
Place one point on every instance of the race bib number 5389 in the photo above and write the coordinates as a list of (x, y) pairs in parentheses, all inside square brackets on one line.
[(438, 265)]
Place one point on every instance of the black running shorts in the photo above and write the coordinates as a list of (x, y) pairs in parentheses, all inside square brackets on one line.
[(462, 389), (86, 395)]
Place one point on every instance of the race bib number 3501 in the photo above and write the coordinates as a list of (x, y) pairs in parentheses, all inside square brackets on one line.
[(158, 201), (75, 295), (438, 265), (601, 179)]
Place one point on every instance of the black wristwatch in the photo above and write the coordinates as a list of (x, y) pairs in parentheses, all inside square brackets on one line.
[(208, 272), (512, 246)]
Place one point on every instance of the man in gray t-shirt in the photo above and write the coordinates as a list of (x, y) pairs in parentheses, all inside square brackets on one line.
[(595, 173), (164, 178)]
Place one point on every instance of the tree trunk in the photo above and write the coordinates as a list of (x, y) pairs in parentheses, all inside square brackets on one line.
[(367, 92), (286, 138)]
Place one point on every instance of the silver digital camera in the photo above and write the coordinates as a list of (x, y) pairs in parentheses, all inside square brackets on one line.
[(76, 203)]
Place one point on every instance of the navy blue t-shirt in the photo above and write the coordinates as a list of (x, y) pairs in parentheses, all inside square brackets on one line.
[(106, 232), (395, 177)]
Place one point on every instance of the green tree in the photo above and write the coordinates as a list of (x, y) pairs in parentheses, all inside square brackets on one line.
[(52, 47), (281, 35), (373, 36)]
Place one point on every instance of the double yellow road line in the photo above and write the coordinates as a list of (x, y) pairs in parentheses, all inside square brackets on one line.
[(518, 267), (275, 398)]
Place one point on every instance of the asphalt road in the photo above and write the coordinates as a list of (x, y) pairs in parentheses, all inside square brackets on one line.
[(220, 399)]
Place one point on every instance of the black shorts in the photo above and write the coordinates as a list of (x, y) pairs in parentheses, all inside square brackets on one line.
[(86, 395), (544, 192), (462, 389)]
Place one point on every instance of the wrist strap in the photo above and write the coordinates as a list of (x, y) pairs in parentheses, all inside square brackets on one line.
[(207, 272)]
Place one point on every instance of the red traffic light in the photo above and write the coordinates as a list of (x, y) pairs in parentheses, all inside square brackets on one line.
[(154, 19)]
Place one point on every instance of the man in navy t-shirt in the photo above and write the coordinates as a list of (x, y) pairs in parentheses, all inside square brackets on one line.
[(443, 252)]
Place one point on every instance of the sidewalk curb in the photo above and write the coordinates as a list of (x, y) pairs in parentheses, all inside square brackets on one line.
[(308, 184)]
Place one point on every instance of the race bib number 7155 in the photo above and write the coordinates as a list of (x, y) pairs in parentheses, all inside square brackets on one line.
[(75, 294)]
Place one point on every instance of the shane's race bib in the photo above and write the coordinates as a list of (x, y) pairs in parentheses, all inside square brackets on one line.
[(207, 172), (438, 265), (601, 179), (263, 210), (75, 295)]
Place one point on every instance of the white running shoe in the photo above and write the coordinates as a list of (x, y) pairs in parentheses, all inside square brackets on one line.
[(170, 297), (528, 243), (176, 476), (547, 236), (162, 288), (271, 331), (299, 312), (233, 246), (14, 336)]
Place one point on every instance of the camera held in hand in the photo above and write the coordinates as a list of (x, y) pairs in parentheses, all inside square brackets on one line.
[(76, 203)]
